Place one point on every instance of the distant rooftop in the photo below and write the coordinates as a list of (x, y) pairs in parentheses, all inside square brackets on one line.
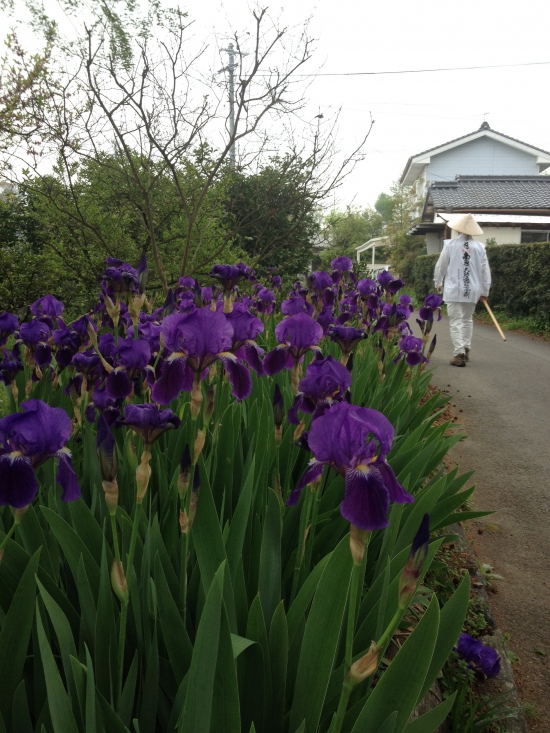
[(416, 162), (491, 192), (484, 126)]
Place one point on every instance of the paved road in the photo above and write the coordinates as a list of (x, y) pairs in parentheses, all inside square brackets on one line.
[(504, 393)]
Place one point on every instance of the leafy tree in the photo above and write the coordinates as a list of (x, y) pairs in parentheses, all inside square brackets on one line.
[(132, 77), (273, 213), (398, 212), (345, 230), (72, 224)]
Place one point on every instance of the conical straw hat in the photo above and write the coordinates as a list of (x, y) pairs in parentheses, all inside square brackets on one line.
[(465, 224)]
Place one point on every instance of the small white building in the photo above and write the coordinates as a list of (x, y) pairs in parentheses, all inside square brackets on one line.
[(488, 174), (371, 245)]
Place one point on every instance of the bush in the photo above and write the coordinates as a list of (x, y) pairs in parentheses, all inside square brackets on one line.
[(423, 275), (521, 273), (520, 276)]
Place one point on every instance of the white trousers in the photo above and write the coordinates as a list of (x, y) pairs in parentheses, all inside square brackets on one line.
[(462, 323)]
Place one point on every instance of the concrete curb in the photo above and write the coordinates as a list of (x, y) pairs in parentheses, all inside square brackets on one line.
[(505, 681)]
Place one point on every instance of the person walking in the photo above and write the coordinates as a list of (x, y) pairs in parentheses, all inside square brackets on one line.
[(464, 267)]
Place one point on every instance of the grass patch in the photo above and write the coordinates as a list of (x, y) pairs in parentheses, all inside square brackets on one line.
[(535, 325)]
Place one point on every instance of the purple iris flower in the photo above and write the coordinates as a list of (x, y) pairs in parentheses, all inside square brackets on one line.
[(295, 305), (142, 273), (106, 406), (355, 441), (187, 282), (118, 279), (10, 367), (367, 287), (349, 303), (392, 316), (266, 300), (47, 306), (132, 357), (196, 341), (246, 328), (320, 281), (149, 422), (296, 336), (326, 381), (276, 281), (230, 275), (34, 332), (27, 440), (346, 337), (431, 304), (81, 325), (207, 295), (384, 278), (406, 301), (342, 264), (325, 318), (395, 286), (86, 362), (67, 342), (480, 657), (8, 326), (35, 335), (412, 348), (150, 332)]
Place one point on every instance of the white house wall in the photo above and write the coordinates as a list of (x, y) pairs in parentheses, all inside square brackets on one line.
[(434, 243), (502, 235), (481, 157)]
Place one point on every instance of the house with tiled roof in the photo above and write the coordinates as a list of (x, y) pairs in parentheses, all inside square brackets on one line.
[(496, 177)]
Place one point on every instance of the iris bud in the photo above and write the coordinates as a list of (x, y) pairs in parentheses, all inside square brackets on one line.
[(209, 405), (118, 581), (184, 475), (415, 563), (364, 667), (134, 307), (143, 273), (357, 543), (106, 451), (143, 474), (278, 406), (432, 346), (199, 445)]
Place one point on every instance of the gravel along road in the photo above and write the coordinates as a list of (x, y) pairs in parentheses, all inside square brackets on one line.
[(502, 400)]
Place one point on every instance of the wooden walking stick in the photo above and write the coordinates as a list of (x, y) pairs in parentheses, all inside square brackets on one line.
[(490, 312)]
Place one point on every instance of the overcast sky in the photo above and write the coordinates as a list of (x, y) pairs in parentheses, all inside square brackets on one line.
[(412, 112)]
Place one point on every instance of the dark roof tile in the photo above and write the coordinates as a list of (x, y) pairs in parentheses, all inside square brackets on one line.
[(492, 192)]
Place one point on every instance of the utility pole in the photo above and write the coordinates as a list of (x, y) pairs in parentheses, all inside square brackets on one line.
[(230, 68)]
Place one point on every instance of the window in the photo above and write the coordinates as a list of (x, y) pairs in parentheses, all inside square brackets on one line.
[(531, 235)]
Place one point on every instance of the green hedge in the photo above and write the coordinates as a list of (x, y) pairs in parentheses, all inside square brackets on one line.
[(520, 274), (423, 275)]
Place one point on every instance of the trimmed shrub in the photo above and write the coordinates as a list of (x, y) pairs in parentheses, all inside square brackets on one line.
[(423, 275), (520, 278)]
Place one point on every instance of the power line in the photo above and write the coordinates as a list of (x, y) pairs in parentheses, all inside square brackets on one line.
[(425, 71)]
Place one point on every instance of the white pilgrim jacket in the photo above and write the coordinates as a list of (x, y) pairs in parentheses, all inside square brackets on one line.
[(464, 265)]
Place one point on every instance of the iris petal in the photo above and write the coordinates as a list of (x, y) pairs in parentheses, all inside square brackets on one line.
[(239, 377), (18, 485), (396, 491), (175, 377), (118, 385), (66, 477), (252, 356), (367, 501), (315, 469), (275, 361)]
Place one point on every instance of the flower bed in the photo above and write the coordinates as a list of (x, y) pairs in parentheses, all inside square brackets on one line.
[(217, 513)]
